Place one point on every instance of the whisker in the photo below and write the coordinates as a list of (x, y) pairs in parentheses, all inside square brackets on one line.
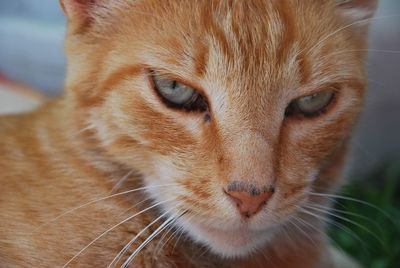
[(395, 52), (388, 51), (162, 227), (88, 127), (134, 206), (304, 222), (141, 202), (336, 224), (173, 233), (204, 251), (129, 244), (112, 228), (303, 232), (351, 214), (351, 199), (294, 236), (322, 233), (159, 247), (347, 220), (268, 259), (344, 28), (121, 181), (182, 231), (98, 200)]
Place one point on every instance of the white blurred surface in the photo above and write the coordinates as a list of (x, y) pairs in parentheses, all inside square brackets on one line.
[(12, 102)]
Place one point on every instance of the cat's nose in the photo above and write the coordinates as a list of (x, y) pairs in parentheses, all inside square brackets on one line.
[(249, 203)]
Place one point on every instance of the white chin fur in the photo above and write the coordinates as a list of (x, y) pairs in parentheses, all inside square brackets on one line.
[(227, 243), (232, 240)]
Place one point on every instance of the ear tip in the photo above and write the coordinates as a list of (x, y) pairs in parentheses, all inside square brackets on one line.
[(62, 6), (75, 8)]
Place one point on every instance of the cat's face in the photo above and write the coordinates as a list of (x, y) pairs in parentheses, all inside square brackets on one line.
[(264, 98)]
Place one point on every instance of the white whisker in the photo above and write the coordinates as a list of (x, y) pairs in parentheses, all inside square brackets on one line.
[(121, 181), (110, 229), (159, 246), (98, 200), (343, 28), (351, 199), (164, 225), (129, 244), (181, 230), (322, 233), (135, 205), (89, 127), (395, 52), (346, 220), (350, 214), (303, 232), (336, 224)]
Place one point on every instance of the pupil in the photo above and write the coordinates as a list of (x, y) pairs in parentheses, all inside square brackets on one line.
[(174, 84), (313, 97)]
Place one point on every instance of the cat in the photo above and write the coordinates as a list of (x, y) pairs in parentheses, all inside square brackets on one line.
[(201, 133)]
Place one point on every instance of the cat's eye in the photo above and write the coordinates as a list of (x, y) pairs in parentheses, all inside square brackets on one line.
[(311, 105), (178, 95)]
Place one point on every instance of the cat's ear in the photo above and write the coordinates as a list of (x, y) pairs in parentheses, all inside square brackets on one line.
[(75, 8), (357, 12), (78, 11)]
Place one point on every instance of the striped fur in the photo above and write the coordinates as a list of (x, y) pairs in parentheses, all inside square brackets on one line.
[(250, 59)]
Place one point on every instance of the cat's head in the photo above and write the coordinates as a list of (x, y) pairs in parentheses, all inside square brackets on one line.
[(240, 108)]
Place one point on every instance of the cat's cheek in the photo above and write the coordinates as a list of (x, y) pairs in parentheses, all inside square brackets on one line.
[(164, 170)]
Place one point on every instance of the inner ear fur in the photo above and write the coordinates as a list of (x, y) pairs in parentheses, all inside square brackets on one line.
[(77, 8), (357, 15), (79, 13), (357, 10)]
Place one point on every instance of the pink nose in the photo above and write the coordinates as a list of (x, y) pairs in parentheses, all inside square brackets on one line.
[(247, 203)]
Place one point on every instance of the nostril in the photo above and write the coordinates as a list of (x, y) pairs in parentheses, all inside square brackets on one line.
[(271, 189), (249, 203)]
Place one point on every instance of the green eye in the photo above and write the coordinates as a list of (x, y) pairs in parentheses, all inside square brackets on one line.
[(178, 95), (312, 105)]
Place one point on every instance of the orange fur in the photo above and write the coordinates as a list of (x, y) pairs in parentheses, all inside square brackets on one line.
[(250, 59)]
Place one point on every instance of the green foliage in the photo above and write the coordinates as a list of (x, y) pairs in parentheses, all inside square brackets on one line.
[(375, 238)]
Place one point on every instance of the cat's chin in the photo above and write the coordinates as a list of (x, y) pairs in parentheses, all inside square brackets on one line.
[(232, 243)]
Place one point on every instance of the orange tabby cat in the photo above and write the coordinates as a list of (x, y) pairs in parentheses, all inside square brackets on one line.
[(192, 134)]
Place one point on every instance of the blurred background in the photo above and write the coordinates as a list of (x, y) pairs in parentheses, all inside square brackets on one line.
[(31, 57)]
